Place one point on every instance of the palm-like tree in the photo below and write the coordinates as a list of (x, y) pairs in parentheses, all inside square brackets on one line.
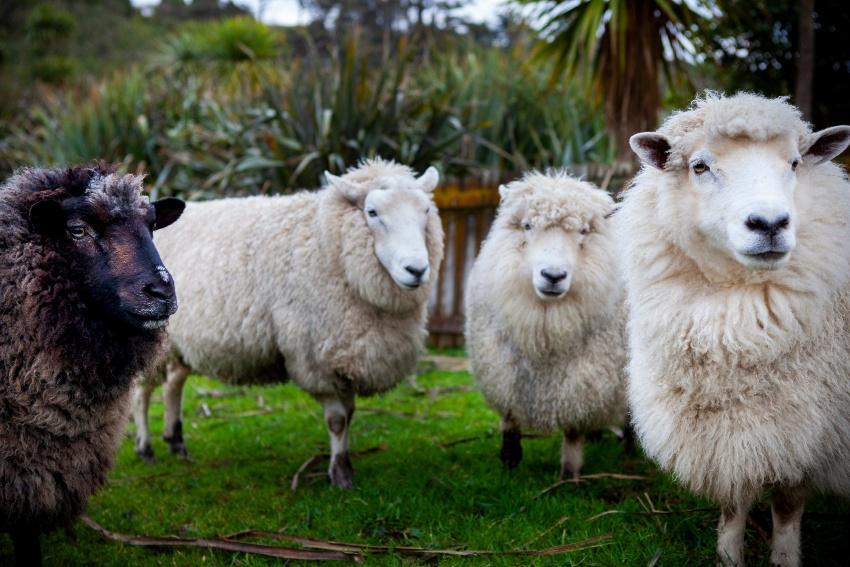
[(622, 50)]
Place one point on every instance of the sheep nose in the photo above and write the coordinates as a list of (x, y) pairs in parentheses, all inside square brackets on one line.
[(160, 290), (553, 276), (768, 227), (162, 286), (416, 271)]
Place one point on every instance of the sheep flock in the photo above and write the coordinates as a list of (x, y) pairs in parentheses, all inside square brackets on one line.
[(708, 310)]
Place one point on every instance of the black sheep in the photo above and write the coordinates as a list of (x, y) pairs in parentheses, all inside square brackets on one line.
[(84, 299)]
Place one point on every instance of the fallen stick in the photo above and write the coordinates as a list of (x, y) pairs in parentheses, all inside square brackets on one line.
[(321, 457), (423, 551), (587, 477), (655, 513), (225, 545)]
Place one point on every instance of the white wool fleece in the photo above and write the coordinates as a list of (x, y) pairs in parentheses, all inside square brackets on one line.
[(739, 378), (553, 365), (291, 285)]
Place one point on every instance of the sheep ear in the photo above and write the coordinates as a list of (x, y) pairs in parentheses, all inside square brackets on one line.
[(167, 211), (503, 191), (827, 144), (651, 147), (47, 217), (429, 180), (349, 189)]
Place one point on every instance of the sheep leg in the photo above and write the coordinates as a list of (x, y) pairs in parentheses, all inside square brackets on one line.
[(338, 413), (27, 547), (787, 511), (629, 440), (572, 455), (511, 452), (141, 401), (730, 534), (172, 393)]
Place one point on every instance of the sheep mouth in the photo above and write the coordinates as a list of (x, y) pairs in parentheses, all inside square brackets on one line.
[(768, 256), (148, 321), (550, 293)]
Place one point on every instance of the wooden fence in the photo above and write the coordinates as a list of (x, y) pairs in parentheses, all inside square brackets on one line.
[(467, 210)]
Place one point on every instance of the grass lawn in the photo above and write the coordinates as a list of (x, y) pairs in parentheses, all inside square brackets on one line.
[(247, 446)]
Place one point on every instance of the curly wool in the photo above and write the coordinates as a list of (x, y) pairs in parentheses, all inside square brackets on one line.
[(66, 373), (739, 378), (550, 365), (290, 285)]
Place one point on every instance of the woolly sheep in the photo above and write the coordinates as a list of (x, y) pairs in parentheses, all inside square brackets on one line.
[(545, 321), (85, 298), (327, 288), (738, 274)]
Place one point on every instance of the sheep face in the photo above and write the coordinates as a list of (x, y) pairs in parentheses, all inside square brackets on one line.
[(552, 253), (396, 210), (548, 221), (112, 256), (737, 195)]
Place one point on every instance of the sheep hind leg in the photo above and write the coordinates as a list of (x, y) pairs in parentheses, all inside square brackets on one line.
[(27, 547), (511, 452), (572, 455), (787, 512), (172, 393), (141, 401), (338, 413), (730, 534)]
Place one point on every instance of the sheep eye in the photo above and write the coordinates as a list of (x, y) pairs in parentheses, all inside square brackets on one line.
[(700, 167), (526, 225), (794, 164), (372, 213), (77, 232)]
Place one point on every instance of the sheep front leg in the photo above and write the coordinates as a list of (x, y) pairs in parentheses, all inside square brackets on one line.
[(172, 393), (730, 534), (338, 413), (572, 455), (787, 511), (511, 452), (141, 401), (27, 547)]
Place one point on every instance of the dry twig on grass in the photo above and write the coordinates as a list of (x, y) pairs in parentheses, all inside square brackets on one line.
[(586, 477), (423, 551), (227, 545), (321, 457)]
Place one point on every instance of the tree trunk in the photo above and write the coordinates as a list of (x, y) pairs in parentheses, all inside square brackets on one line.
[(805, 58)]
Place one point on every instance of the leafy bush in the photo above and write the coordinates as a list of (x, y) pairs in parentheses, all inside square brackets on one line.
[(255, 126), (231, 40)]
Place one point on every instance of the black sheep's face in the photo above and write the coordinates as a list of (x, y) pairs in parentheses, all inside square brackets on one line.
[(114, 255)]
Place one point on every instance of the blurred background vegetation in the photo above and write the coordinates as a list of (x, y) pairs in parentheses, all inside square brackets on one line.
[(209, 100)]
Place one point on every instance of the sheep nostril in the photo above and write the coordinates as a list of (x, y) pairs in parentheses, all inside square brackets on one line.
[(416, 272), (553, 276), (160, 290), (758, 223)]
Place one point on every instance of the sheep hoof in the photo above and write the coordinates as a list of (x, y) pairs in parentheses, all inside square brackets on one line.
[(568, 473), (179, 449), (146, 453), (341, 473), (511, 453)]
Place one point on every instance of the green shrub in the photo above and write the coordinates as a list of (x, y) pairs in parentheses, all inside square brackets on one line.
[(231, 40)]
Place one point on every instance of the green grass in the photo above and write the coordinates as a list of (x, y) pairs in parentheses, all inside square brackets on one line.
[(413, 493)]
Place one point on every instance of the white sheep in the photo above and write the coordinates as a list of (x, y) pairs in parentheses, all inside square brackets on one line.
[(735, 243), (545, 318), (326, 288)]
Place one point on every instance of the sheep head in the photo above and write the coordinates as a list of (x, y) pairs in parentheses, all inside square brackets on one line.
[(102, 226), (734, 165)]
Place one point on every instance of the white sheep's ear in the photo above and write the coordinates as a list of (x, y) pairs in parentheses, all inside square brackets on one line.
[(503, 191), (429, 180), (351, 190), (651, 147), (827, 144)]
